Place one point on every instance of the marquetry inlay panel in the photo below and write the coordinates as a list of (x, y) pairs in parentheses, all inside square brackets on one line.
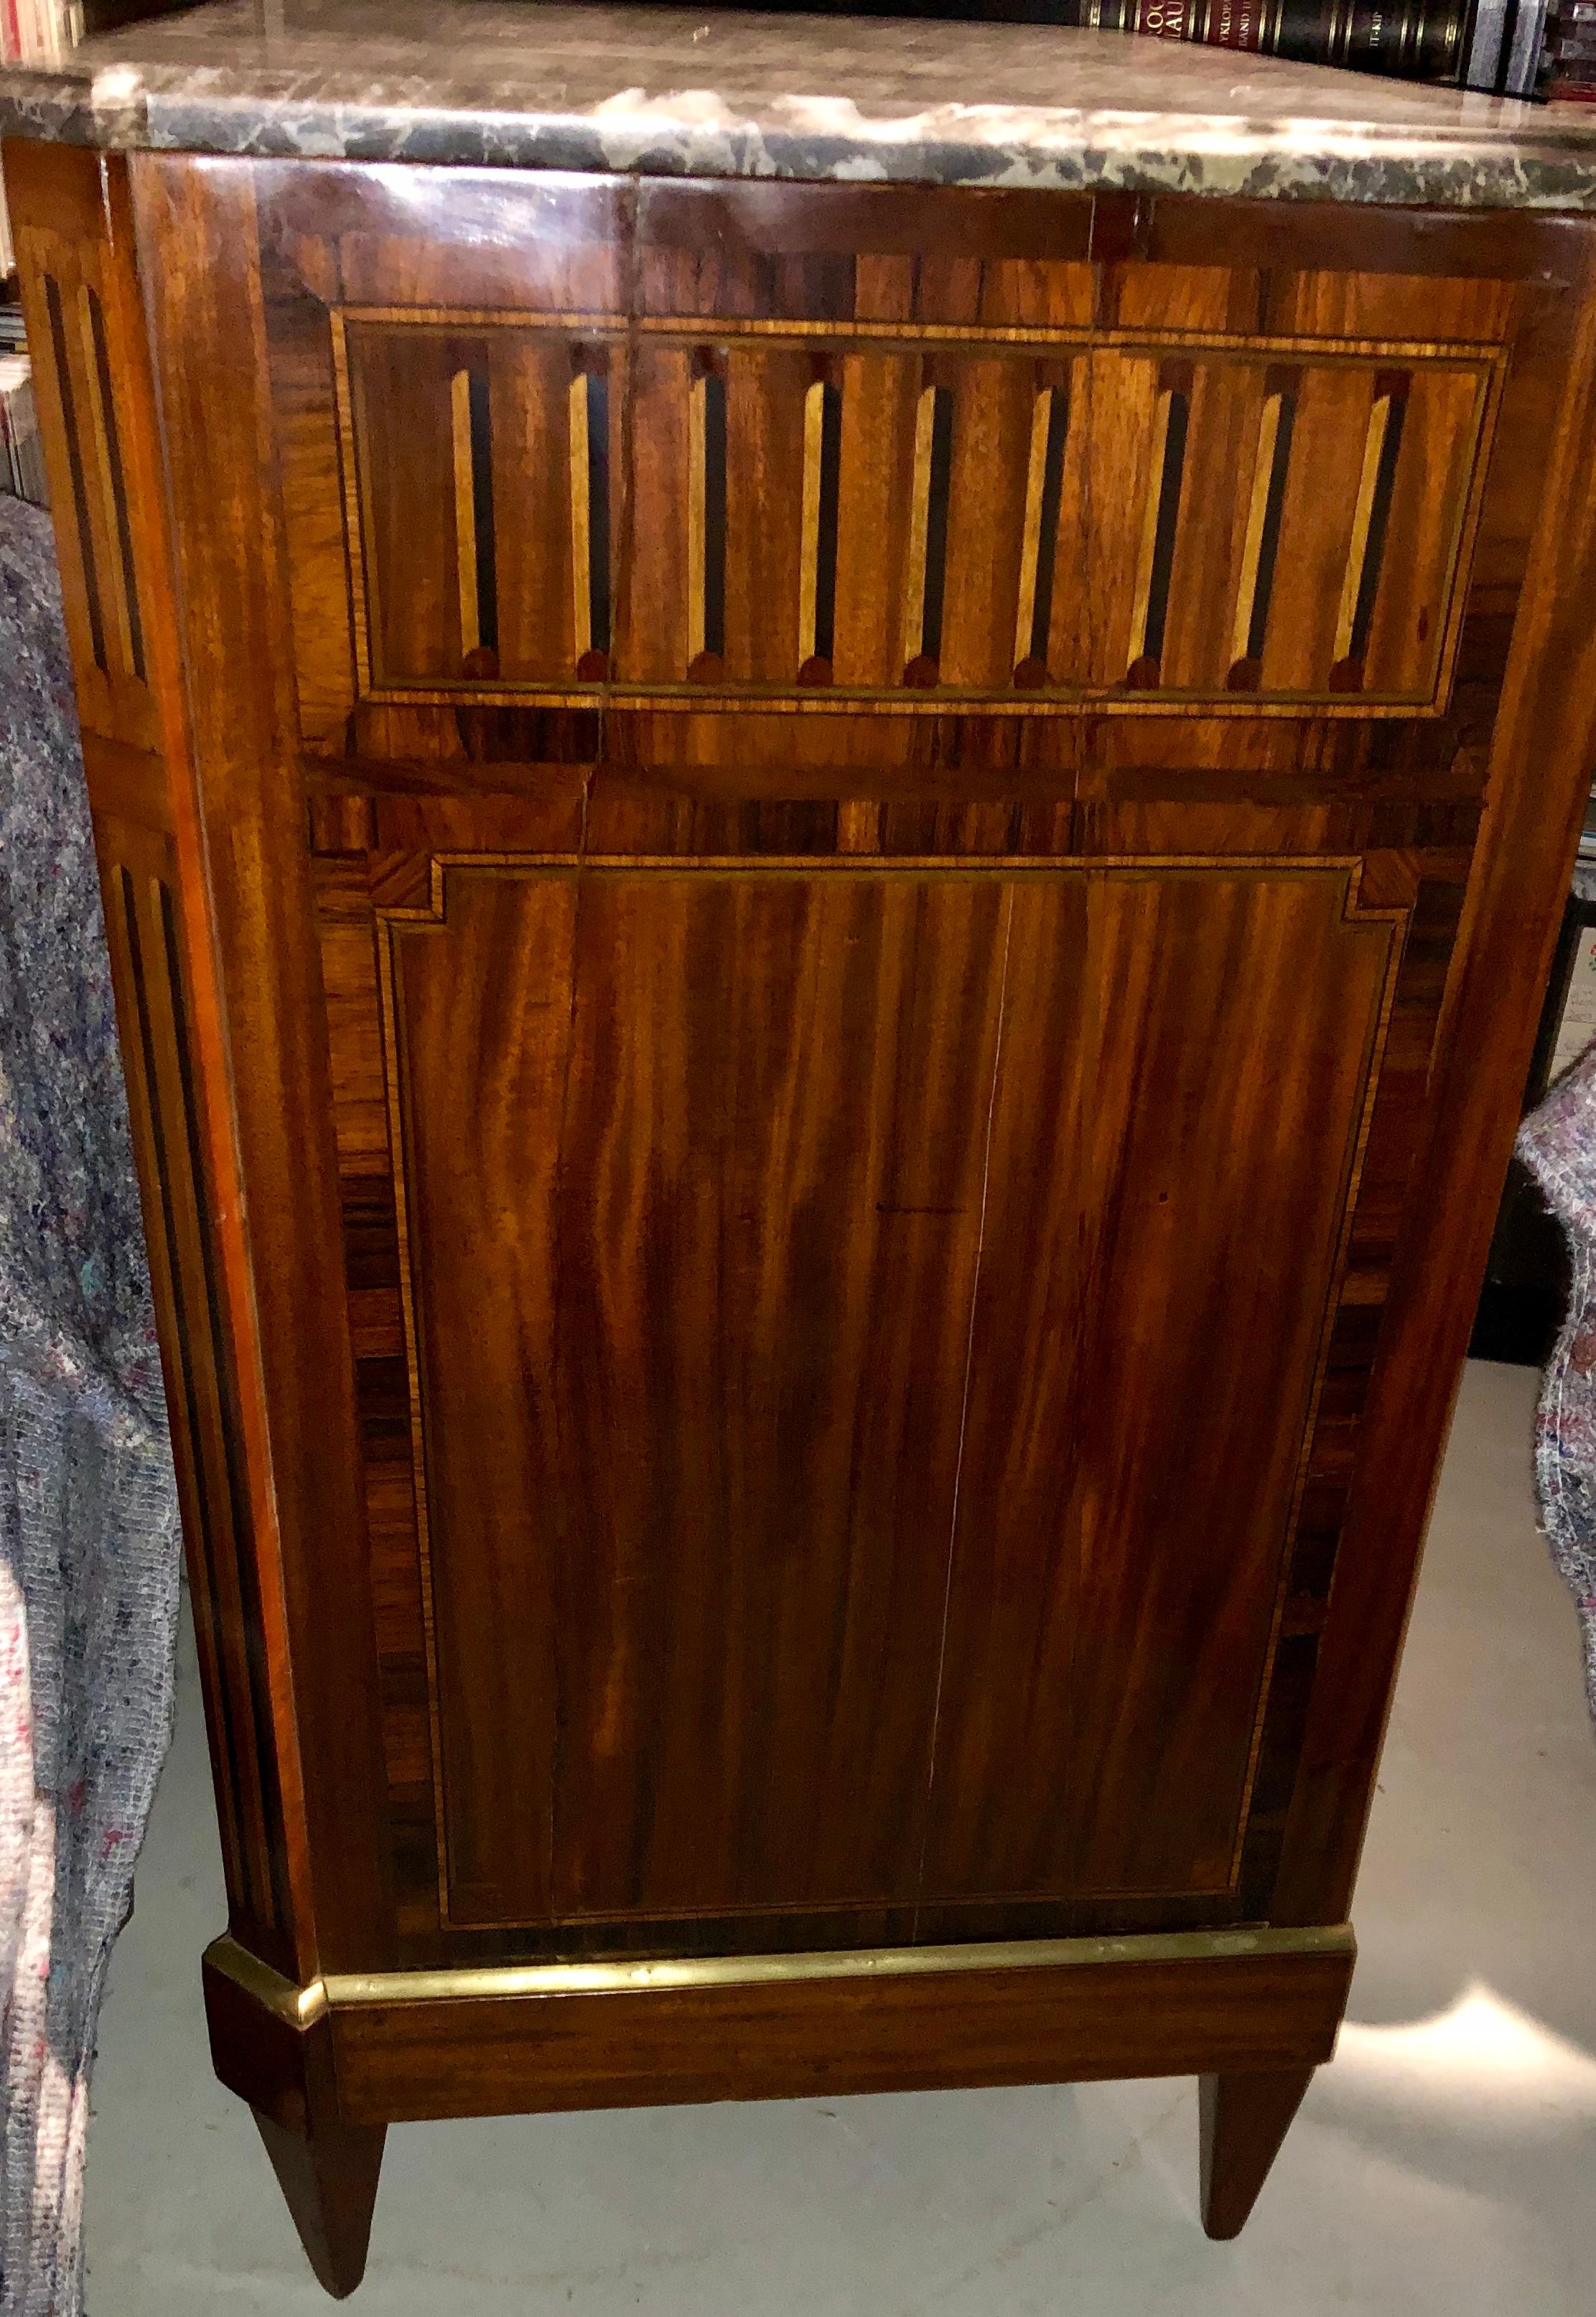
[(685, 512)]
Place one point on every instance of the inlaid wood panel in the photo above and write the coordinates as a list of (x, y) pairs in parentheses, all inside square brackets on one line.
[(488, 504), (91, 363), (386, 873), (699, 1168), (833, 515)]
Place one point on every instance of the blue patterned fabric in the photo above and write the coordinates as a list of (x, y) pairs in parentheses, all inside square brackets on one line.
[(1557, 1143), (88, 1525)]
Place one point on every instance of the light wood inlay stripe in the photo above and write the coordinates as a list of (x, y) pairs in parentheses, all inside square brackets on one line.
[(809, 532), (1036, 484), (581, 520), (1150, 514), (465, 509), (1374, 444), (925, 419), (1246, 594), (698, 478)]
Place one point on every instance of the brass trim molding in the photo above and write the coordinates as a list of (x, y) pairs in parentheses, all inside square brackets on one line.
[(301, 2007), (345, 1990)]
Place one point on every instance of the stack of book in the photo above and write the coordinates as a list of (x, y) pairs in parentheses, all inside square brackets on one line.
[(1587, 851), (22, 460), (1503, 46), (1575, 47), (37, 33), (21, 457)]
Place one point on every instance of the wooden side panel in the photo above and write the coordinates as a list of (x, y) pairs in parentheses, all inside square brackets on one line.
[(1162, 1216), (696, 1346), (247, 876), (71, 213), (694, 1150)]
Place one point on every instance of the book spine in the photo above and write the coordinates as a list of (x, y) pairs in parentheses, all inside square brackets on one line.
[(1417, 40)]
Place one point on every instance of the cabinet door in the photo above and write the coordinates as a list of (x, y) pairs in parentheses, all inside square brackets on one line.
[(858, 1314)]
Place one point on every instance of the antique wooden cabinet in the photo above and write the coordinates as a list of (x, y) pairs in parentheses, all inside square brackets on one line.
[(827, 903)]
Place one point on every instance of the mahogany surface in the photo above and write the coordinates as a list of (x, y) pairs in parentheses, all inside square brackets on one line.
[(1242, 2120), (826, 903)]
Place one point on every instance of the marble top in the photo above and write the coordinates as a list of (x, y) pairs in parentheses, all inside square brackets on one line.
[(668, 90)]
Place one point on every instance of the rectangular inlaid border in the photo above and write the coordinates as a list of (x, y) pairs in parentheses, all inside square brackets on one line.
[(392, 919), (1488, 363)]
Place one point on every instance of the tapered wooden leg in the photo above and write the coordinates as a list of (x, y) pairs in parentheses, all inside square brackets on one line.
[(1244, 2119), (329, 2179)]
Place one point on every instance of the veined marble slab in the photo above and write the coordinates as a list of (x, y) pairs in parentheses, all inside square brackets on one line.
[(666, 90)]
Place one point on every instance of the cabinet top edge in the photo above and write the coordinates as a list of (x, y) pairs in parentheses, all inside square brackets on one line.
[(665, 90)]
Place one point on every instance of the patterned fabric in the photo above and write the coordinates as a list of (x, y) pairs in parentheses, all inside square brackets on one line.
[(88, 1524), (1557, 1143)]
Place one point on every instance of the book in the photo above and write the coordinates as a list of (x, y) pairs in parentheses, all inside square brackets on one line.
[(22, 466)]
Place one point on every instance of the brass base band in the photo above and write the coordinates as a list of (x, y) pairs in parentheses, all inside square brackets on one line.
[(301, 2007)]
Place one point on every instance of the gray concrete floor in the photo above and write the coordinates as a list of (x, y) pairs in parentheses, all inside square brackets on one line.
[(1445, 2163)]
